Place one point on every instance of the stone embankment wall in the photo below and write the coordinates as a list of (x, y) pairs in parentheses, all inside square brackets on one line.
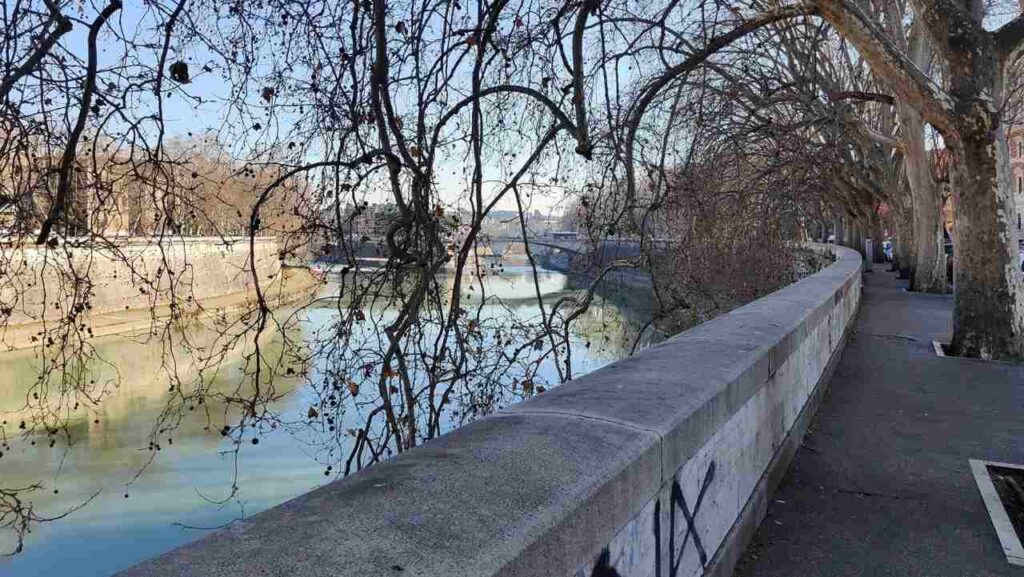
[(125, 275), (658, 465)]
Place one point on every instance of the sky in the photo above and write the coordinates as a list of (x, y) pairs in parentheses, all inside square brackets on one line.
[(201, 107)]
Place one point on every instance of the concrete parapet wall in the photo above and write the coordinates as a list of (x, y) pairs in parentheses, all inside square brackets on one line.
[(127, 274), (656, 465)]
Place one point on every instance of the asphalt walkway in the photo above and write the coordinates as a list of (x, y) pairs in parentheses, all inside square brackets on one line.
[(881, 485)]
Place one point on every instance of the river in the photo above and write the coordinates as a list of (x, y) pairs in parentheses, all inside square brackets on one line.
[(148, 499)]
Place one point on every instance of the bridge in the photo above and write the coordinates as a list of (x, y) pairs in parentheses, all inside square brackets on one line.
[(659, 464), (557, 250), (375, 247), (560, 243), (553, 246)]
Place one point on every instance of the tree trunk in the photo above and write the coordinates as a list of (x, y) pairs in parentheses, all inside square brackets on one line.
[(858, 236), (988, 312), (930, 269), (903, 255), (878, 255), (929, 272)]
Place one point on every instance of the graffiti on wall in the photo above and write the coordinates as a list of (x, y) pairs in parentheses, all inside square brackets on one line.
[(678, 501), (636, 551)]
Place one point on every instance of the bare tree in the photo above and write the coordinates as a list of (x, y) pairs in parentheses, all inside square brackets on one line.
[(717, 133)]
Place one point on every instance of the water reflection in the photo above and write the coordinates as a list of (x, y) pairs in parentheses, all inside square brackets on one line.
[(156, 461)]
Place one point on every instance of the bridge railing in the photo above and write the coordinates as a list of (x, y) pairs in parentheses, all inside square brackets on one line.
[(657, 465)]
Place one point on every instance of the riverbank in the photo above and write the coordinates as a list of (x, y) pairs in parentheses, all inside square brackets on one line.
[(290, 285), (111, 438), (684, 306), (594, 477)]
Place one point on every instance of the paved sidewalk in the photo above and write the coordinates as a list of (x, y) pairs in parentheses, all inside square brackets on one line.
[(881, 485)]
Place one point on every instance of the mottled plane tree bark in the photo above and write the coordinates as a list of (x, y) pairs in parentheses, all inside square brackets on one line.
[(929, 270), (988, 318)]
